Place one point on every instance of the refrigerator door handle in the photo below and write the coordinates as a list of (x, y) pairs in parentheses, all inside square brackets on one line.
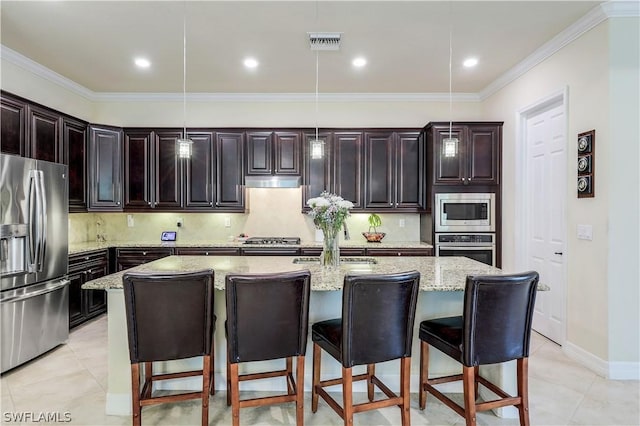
[(33, 225), (37, 213), (36, 293), (43, 220)]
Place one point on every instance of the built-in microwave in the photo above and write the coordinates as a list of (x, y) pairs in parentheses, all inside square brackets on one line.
[(465, 212)]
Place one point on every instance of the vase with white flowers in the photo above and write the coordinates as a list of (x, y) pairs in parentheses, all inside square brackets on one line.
[(329, 212)]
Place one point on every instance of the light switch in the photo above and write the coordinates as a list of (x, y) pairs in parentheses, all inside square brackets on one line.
[(227, 222), (401, 223), (585, 232), (130, 222)]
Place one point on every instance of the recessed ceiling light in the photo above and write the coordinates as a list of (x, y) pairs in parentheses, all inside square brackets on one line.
[(471, 62), (142, 62), (359, 62), (250, 63)]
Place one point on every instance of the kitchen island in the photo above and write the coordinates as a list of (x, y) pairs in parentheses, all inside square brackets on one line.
[(442, 283)]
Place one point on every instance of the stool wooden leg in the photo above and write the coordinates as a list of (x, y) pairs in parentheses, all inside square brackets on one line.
[(235, 394), (289, 364), (371, 371), (347, 396), (468, 378), (228, 382), (424, 373), (405, 378), (135, 394), (316, 378), (522, 369), (476, 374), (300, 391), (206, 385), (212, 370)]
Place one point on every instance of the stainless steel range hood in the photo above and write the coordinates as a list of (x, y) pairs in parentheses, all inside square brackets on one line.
[(272, 181)]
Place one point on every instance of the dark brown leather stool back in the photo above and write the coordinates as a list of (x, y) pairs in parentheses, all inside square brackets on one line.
[(495, 327), (378, 314), (169, 317), (267, 318)]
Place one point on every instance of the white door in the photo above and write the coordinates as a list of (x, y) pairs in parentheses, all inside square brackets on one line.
[(545, 222)]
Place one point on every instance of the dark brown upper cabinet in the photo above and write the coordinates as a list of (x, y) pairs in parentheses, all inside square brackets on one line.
[(476, 161), (273, 153), (347, 155), (394, 171), (74, 137), (153, 171), (13, 135), (199, 171), (44, 134), (229, 154), (105, 168), (315, 171)]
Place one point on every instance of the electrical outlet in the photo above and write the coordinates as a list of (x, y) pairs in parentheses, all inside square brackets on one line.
[(227, 222), (401, 223), (130, 221), (585, 232), (180, 222)]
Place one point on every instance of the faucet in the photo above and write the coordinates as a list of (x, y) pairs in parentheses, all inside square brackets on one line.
[(346, 232)]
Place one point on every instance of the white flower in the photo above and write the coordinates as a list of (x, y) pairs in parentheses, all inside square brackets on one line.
[(319, 202), (345, 204)]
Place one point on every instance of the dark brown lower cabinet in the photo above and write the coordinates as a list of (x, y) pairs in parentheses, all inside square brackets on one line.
[(129, 257), (86, 304), (399, 251)]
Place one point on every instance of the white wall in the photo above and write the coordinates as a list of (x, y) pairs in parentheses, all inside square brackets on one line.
[(624, 195)]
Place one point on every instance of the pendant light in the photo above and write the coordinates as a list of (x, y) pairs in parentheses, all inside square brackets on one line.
[(317, 145), (450, 144), (184, 144)]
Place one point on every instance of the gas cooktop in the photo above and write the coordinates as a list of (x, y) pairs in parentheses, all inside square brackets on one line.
[(273, 240)]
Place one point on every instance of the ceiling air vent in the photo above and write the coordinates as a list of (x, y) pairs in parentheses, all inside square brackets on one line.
[(324, 41)]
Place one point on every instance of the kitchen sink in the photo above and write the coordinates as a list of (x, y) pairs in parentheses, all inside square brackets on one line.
[(349, 260)]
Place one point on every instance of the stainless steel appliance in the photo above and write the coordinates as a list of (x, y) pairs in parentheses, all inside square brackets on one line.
[(34, 295), (480, 247), (279, 246), (465, 212)]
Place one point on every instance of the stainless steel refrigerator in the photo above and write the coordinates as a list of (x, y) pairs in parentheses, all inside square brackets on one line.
[(34, 297)]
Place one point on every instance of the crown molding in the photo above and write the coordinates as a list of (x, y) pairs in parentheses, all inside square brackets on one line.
[(602, 12), (286, 97), (32, 66)]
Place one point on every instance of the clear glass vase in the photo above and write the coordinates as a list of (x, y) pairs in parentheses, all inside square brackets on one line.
[(330, 256)]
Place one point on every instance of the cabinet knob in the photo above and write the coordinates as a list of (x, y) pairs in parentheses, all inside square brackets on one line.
[(399, 254), (148, 203), (144, 253), (86, 258), (88, 271), (117, 203), (206, 253)]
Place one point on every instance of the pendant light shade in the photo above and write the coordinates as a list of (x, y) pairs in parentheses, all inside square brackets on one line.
[(184, 144)]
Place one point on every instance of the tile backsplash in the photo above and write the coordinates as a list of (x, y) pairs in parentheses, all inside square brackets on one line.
[(271, 212)]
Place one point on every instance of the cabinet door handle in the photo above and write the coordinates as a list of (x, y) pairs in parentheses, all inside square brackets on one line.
[(558, 252)]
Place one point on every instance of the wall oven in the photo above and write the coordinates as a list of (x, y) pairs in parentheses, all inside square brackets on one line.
[(480, 247), (465, 212)]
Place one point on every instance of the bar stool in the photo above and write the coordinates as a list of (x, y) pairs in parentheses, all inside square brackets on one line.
[(267, 318), (378, 313), (495, 327), (169, 317)]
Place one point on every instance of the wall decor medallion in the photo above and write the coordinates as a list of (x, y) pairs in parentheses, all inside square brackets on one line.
[(585, 164)]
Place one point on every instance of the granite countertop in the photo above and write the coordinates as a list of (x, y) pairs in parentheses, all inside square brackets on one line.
[(437, 273), (360, 243)]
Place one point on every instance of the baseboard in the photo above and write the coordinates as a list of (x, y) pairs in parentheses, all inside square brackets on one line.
[(606, 369)]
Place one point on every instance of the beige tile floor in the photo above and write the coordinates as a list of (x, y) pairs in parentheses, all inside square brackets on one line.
[(72, 379)]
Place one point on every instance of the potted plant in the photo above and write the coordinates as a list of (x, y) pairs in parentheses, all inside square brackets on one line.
[(375, 236)]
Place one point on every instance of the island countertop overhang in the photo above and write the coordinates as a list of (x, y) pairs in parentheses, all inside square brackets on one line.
[(437, 273)]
